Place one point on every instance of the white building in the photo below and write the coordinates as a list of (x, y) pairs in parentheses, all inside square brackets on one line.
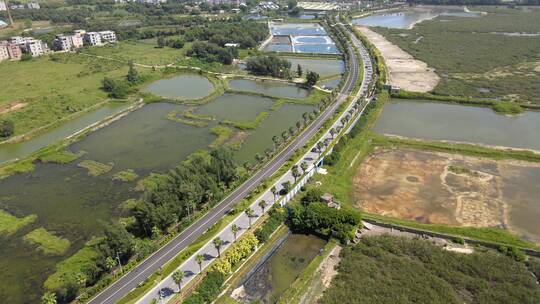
[(35, 47), (92, 38), (17, 40), (4, 54), (151, 1), (107, 36), (62, 43), (33, 5), (76, 41), (3, 6)]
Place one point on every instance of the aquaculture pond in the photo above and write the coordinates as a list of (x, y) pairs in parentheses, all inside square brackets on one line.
[(181, 87), (282, 268), (440, 121), (278, 122), (408, 18), (25, 148), (271, 88), (300, 38), (235, 107), (323, 67), (70, 203), (331, 83), (145, 140)]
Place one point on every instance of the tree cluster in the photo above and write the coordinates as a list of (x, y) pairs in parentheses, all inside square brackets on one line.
[(312, 78), (195, 184), (175, 43), (7, 128), (277, 216), (212, 52), (246, 33), (320, 219), (270, 65), (121, 88)]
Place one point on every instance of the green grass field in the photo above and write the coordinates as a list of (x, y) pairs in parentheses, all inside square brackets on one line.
[(48, 89), (140, 52), (474, 57)]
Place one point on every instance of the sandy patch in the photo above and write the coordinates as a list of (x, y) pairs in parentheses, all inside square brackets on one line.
[(14, 106), (537, 68), (452, 189), (324, 274), (405, 71)]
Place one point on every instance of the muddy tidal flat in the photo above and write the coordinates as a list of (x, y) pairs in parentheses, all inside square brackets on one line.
[(443, 188)]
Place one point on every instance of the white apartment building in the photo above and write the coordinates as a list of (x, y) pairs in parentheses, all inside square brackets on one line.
[(33, 5), (17, 40), (92, 38), (107, 36), (76, 41), (62, 43), (4, 54), (3, 6), (35, 47)]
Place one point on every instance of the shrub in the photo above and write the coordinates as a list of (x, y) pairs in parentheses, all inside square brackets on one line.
[(235, 254), (7, 128), (277, 217), (513, 252), (208, 290)]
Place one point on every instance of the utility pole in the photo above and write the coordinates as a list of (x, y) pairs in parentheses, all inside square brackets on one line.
[(119, 262), (9, 13)]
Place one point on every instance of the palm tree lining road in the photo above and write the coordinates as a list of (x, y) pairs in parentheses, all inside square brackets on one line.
[(133, 278)]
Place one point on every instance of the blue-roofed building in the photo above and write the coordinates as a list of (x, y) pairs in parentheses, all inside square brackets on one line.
[(3, 24)]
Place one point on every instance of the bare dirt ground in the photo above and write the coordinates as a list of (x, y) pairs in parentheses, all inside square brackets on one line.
[(405, 71), (14, 106), (323, 277), (452, 189)]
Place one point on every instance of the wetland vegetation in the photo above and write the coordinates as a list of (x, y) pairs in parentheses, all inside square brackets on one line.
[(418, 271), (110, 170), (460, 49)]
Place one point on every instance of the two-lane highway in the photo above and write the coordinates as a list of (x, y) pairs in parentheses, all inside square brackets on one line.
[(133, 278)]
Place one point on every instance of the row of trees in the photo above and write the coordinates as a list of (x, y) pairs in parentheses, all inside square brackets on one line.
[(283, 138)]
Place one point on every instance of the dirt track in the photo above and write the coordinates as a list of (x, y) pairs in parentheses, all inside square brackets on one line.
[(405, 71)]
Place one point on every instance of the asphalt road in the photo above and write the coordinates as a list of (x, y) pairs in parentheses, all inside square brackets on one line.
[(130, 280)]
